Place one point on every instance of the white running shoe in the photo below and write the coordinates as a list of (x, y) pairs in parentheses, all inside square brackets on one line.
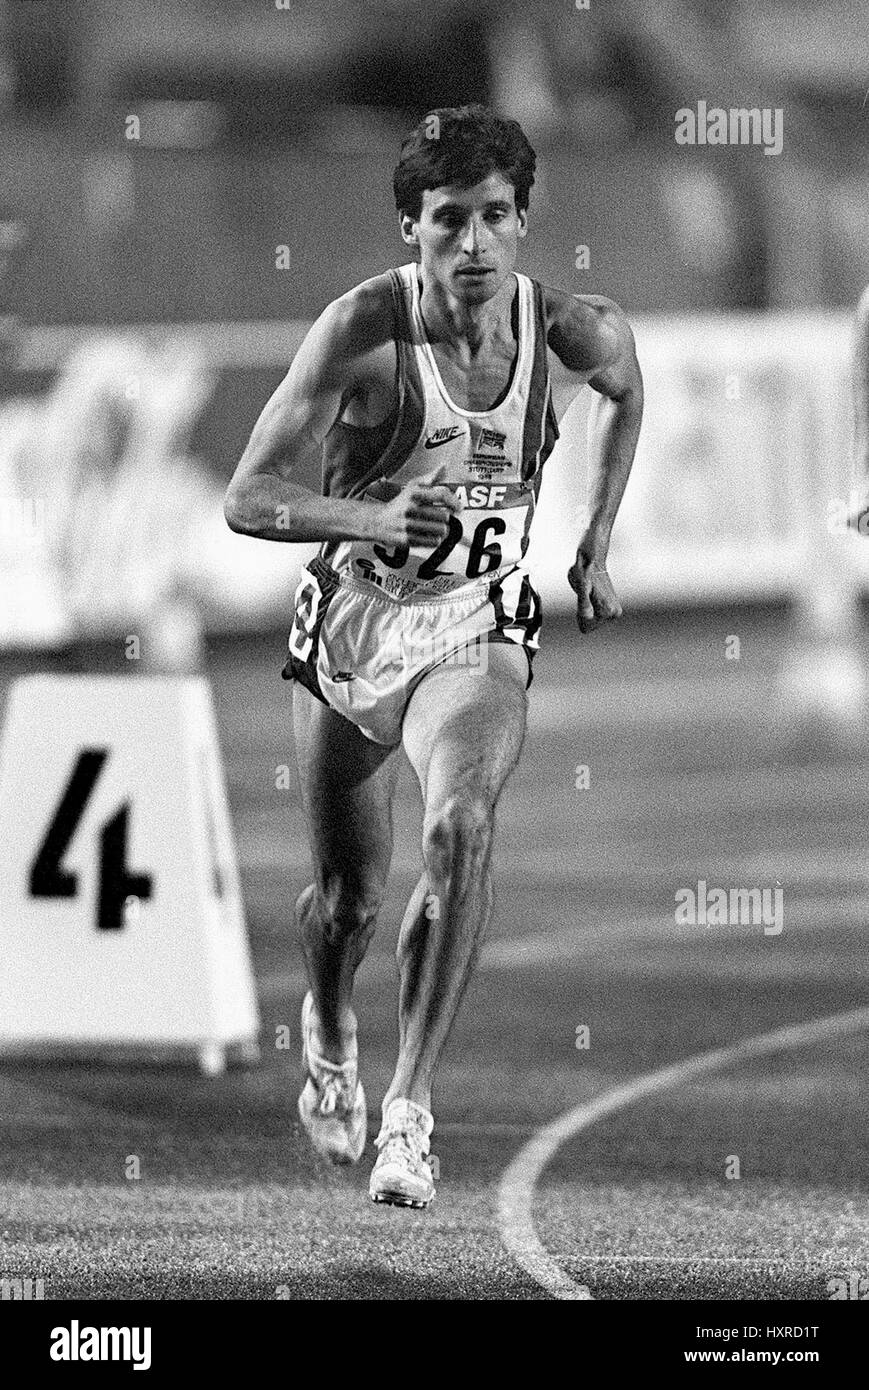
[(332, 1104), (401, 1175)]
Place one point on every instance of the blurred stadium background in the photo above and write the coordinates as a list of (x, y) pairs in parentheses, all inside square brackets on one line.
[(183, 187)]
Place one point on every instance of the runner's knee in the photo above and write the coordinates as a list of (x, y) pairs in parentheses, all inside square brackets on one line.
[(342, 905), (457, 833)]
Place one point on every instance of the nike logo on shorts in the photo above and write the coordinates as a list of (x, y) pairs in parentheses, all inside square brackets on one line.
[(443, 436)]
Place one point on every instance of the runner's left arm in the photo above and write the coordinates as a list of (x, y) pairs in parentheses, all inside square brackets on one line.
[(594, 338)]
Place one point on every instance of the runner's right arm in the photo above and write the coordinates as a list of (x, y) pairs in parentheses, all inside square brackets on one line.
[(263, 500)]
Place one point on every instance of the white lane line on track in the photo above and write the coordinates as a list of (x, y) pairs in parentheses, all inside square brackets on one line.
[(516, 1189), (769, 785), (651, 700), (688, 1260), (55, 1097), (548, 864), (544, 948)]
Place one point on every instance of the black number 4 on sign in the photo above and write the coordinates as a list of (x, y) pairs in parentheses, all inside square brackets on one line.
[(48, 878)]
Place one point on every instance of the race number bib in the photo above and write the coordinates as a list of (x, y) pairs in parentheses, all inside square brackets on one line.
[(485, 536)]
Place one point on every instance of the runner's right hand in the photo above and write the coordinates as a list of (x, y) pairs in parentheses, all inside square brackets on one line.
[(418, 515)]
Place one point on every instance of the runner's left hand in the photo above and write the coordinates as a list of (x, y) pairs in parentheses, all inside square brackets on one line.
[(596, 600)]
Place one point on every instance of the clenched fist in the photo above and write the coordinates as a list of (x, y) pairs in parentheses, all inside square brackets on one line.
[(418, 514)]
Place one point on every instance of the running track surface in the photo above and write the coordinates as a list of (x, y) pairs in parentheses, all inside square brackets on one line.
[(697, 770)]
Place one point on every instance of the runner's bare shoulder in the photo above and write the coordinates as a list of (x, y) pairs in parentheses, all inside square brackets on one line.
[(585, 331), (357, 323)]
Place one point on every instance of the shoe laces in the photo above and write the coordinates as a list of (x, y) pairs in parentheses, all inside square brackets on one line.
[(405, 1146), (336, 1086), (331, 1092), (335, 1082)]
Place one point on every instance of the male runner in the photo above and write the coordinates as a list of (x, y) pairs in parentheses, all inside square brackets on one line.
[(433, 392)]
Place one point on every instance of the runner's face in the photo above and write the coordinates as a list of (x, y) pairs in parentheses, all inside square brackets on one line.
[(467, 237)]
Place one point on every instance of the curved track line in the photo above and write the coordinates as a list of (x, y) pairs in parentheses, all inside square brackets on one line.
[(516, 1190)]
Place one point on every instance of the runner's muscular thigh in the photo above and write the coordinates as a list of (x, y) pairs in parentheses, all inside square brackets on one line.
[(463, 728)]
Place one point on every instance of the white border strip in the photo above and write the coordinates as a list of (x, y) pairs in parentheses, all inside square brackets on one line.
[(598, 934)]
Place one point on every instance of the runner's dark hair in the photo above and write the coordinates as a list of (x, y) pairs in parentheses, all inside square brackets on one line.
[(461, 145)]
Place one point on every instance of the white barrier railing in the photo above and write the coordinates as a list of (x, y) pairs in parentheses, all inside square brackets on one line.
[(744, 453), (739, 490)]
